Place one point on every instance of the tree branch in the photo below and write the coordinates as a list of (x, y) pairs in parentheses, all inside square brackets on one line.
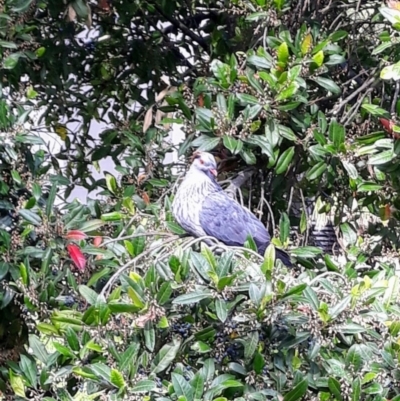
[(239, 180), (184, 29)]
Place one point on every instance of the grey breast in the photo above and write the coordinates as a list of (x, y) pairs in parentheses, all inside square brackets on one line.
[(187, 203)]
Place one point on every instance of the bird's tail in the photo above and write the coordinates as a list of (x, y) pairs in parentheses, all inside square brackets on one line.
[(284, 257)]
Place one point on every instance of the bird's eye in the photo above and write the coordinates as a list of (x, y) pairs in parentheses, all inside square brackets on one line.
[(201, 161)]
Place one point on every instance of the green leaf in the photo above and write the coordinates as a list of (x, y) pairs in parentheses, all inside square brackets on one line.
[(11, 61), (117, 379), (165, 357), (254, 82), (31, 217), (98, 276), (72, 339), (38, 349), (261, 15), (149, 336), (50, 200), (307, 252), (260, 62), (251, 344), (284, 160), (164, 293), (287, 92), (143, 386), (246, 99), (231, 143), (316, 171), (382, 158), (205, 117), (286, 132), (221, 309), (175, 228), (296, 290), (297, 392), (392, 291), (336, 134), (111, 184), (283, 53), (303, 222), (112, 216), (374, 388), (48, 329), (284, 228), (182, 387), (91, 225), (318, 58), (336, 310), (356, 390), (328, 84), (89, 295), (351, 169), (63, 350), (206, 143), (197, 384), (368, 186), (17, 384), (129, 356), (338, 35), (192, 298), (375, 110), (354, 357), (248, 156), (28, 367), (334, 387), (8, 45), (349, 233)]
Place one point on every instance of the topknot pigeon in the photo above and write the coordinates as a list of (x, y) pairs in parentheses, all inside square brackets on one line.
[(202, 208)]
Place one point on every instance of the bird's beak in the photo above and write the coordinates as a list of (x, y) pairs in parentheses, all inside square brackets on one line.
[(213, 172)]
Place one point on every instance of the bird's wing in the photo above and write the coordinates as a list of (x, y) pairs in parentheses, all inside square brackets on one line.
[(226, 220)]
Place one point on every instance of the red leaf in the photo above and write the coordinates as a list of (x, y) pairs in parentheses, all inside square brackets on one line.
[(387, 124), (77, 256), (146, 198), (97, 241), (76, 235)]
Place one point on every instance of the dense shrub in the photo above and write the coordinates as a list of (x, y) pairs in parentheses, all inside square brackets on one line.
[(107, 299)]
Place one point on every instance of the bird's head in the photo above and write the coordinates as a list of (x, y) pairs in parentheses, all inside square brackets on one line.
[(204, 162)]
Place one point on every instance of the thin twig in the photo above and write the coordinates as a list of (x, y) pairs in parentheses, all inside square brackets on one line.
[(170, 190), (105, 291), (395, 96), (306, 213), (347, 117), (261, 204), (319, 277), (367, 84), (271, 214), (125, 229), (188, 32), (147, 234), (239, 181), (290, 200)]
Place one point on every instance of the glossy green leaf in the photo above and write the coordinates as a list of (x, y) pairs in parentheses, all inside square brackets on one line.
[(284, 160)]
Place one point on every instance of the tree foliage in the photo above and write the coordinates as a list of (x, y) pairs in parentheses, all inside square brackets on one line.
[(298, 101)]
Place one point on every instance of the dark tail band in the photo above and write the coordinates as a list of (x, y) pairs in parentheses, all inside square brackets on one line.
[(284, 257)]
